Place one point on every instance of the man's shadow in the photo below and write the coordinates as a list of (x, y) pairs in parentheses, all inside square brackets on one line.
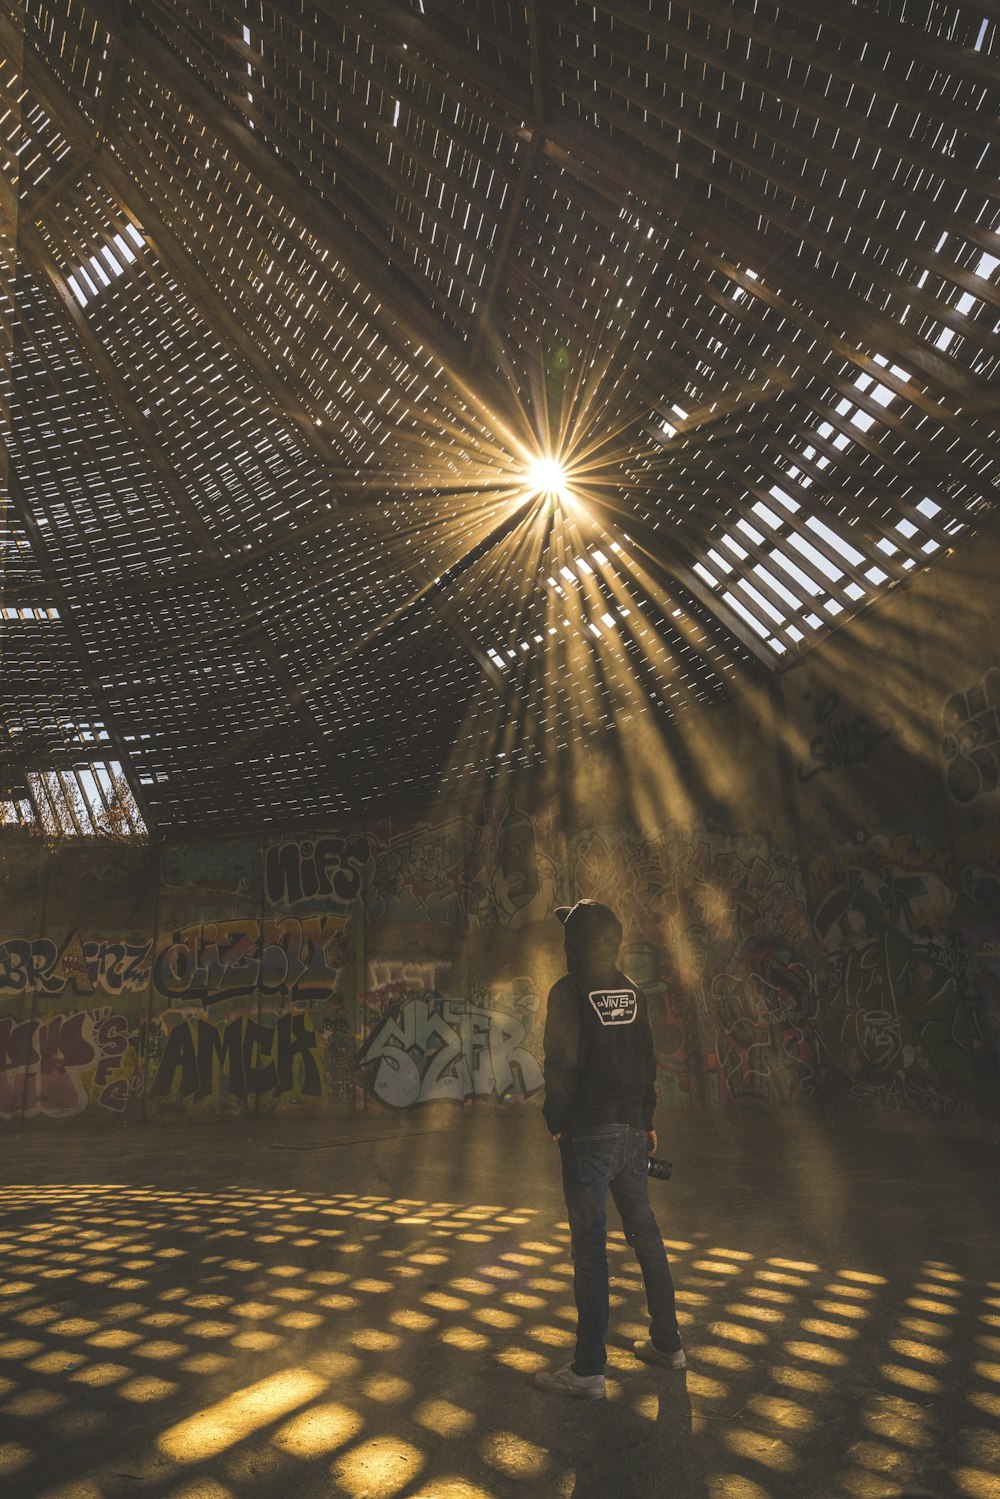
[(624, 1454), (631, 1456)]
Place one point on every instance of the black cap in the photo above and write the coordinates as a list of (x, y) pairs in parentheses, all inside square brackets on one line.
[(588, 917)]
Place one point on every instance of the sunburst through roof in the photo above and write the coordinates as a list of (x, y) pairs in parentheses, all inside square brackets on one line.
[(299, 296)]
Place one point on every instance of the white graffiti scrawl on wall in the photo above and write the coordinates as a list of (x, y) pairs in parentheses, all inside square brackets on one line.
[(971, 741), (426, 1048)]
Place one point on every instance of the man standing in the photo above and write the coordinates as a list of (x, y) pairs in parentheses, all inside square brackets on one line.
[(600, 1094)]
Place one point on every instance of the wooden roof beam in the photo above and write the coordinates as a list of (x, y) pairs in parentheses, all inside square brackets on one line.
[(498, 274), (400, 309), (692, 209), (757, 122), (89, 151), (103, 367), (114, 731), (672, 558), (747, 22), (590, 154)]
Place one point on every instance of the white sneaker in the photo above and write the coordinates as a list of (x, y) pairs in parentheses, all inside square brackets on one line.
[(650, 1354), (564, 1382)]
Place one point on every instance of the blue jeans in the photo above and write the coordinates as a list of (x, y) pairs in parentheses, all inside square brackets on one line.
[(612, 1155)]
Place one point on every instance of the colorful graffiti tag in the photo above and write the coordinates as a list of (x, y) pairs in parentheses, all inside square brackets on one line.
[(216, 960), (522, 886), (198, 1059), (747, 959), (73, 964), (463, 873), (57, 1065), (422, 874), (328, 868), (883, 992), (425, 1048), (716, 931)]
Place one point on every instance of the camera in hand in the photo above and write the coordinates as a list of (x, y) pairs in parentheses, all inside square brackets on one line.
[(658, 1167)]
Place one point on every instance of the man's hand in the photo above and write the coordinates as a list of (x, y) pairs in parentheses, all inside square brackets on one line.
[(651, 1142), (558, 1137)]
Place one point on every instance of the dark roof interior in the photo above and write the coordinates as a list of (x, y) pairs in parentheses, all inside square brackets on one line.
[(299, 290)]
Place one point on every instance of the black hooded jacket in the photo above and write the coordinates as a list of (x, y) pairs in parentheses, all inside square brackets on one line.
[(600, 1067)]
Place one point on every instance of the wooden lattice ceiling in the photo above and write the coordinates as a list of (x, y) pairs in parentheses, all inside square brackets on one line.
[(293, 292)]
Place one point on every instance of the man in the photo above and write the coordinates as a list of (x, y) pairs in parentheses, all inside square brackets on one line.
[(600, 1094)]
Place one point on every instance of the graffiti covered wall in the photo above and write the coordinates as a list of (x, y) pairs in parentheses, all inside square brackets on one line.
[(253, 938), (816, 927), (254, 989), (75, 952), (892, 727)]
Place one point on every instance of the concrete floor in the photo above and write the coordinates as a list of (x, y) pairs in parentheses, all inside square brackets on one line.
[(300, 1308)]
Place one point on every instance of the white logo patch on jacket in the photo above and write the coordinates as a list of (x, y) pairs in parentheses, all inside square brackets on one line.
[(614, 1006)]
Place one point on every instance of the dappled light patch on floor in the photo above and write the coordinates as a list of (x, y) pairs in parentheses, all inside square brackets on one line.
[(210, 1431), (385, 1465), (289, 1341)]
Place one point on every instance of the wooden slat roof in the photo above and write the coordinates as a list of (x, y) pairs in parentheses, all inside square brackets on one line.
[(295, 291)]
